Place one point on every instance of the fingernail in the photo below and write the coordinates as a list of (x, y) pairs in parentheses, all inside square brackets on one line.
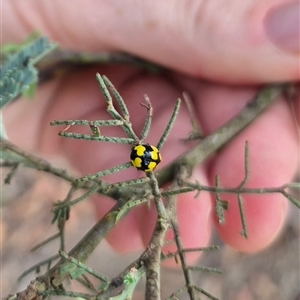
[(282, 26)]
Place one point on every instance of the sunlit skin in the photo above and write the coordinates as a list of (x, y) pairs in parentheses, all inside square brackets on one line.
[(221, 64)]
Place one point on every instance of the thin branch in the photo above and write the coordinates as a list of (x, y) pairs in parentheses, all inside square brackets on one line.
[(210, 144), (151, 257), (38, 265), (170, 125), (183, 260), (205, 269), (244, 231), (197, 132), (246, 167), (83, 266), (210, 296), (219, 202), (186, 250), (171, 205), (50, 239), (148, 121)]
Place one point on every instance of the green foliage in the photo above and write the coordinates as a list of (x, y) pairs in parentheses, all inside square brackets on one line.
[(61, 211), (131, 279), (18, 72), (12, 48), (71, 269)]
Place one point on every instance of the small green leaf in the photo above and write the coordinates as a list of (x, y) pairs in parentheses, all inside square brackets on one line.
[(103, 286), (31, 90), (76, 273), (67, 268)]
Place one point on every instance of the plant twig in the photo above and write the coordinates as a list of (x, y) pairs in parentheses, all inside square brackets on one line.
[(210, 144)]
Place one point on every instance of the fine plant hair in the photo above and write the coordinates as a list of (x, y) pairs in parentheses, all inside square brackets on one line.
[(17, 74)]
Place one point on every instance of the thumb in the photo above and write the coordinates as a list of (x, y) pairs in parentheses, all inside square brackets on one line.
[(230, 41)]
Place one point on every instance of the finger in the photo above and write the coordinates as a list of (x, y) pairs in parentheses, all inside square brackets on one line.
[(273, 162), (238, 42)]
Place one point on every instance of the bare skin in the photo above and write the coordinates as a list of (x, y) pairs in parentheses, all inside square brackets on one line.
[(223, 53)]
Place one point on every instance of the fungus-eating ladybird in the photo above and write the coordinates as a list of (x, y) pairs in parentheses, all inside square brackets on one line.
[(145, 157)]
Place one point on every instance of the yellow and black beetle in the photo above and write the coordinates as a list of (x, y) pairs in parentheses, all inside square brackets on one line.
[(145, 157)]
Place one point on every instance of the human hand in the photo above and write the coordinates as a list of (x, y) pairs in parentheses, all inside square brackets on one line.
[(223, 45)]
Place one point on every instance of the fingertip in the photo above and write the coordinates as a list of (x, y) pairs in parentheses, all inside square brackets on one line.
[(273, 155), (265, 216), (282, 26)]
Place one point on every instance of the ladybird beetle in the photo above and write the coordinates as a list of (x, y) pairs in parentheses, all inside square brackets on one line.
[(145, 157)]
